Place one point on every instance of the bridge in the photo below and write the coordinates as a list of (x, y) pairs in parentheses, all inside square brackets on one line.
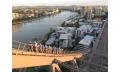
[(21, 61), (23, 58)]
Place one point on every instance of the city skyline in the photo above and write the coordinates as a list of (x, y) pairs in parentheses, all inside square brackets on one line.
[(58, 2)]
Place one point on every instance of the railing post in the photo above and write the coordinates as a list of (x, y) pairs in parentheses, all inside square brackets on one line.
[(18, 47), (23, 48)]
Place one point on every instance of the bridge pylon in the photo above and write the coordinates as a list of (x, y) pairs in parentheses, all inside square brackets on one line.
[(72, 67), (55, 68), (75, 66)]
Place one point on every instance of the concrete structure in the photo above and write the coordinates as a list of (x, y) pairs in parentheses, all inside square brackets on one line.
[(99, 55), (97, 59)]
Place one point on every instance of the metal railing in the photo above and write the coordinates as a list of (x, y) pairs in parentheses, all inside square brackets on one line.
[(21, 48)]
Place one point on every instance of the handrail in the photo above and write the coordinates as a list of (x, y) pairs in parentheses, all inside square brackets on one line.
[(23, 49)]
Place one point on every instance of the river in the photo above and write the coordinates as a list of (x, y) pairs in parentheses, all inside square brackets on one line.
[(38, 28)]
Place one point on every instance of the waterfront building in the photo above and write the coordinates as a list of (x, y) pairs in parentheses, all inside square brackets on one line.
[(62, 37), (89, 15), (50, 41), (68, 21), (83, 23), (84, 29), (17, 16), (88, 12), (99, 11), (31, 15), (86, 41), (65, 40), (65, 36)]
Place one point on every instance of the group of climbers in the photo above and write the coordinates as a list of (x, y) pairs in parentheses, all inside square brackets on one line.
[(35, 47)]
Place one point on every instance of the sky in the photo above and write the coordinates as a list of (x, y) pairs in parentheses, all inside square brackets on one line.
[(58, 2)]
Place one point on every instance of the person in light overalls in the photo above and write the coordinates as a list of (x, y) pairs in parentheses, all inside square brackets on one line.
[(30, 46), (36, 46)]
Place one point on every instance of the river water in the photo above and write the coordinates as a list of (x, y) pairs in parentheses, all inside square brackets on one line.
[(38, 28)]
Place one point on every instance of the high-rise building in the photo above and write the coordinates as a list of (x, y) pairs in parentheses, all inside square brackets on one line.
[(98, 11), (88, 12)]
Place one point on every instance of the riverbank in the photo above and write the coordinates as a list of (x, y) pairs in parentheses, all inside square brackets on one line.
[(18, 21), (46, 37)]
